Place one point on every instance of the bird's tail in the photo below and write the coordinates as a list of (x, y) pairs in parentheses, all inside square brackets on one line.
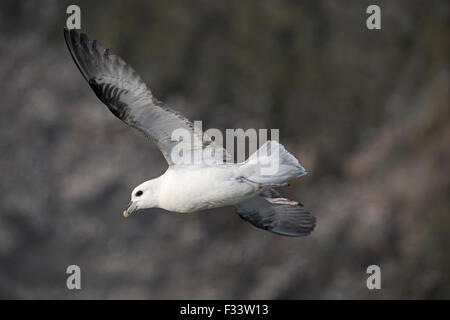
[(271, 164)]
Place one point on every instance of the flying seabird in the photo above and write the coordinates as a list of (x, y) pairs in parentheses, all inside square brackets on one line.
[(201, 184)]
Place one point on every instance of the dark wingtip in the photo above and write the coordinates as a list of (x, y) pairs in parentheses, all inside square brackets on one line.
[(74, 39), (305, 227), (66, 34)]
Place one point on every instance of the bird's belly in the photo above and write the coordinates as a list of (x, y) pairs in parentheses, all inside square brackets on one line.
[(206, 188)]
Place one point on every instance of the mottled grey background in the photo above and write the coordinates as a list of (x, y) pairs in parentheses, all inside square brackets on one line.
[(366, 112)]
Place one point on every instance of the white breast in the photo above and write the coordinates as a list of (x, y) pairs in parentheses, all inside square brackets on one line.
[(188, 189)]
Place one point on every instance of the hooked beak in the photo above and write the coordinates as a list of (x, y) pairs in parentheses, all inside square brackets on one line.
[(132, 206)]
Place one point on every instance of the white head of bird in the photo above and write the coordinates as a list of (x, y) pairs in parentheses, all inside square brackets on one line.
[(142, 197)]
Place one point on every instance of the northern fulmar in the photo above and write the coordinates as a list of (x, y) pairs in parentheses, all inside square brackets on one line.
[(199, 185)]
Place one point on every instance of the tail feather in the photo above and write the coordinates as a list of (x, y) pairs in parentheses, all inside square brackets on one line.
[(272, 164)]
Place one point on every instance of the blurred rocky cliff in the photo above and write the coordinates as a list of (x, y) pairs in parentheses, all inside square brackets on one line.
[(366, 112)]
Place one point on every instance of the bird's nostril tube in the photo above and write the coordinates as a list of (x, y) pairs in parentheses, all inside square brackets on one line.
[(130, 208)]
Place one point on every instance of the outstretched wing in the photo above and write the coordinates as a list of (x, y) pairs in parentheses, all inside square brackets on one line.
[(271, 212), (121, 89)]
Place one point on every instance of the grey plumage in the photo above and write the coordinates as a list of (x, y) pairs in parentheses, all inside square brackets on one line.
[(120, 88), (284, 219)]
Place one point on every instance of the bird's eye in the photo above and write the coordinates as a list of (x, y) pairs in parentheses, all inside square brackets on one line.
[(139, 193)]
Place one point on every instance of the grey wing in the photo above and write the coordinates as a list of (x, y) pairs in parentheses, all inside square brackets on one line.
[(121, 89), (281, 218)]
